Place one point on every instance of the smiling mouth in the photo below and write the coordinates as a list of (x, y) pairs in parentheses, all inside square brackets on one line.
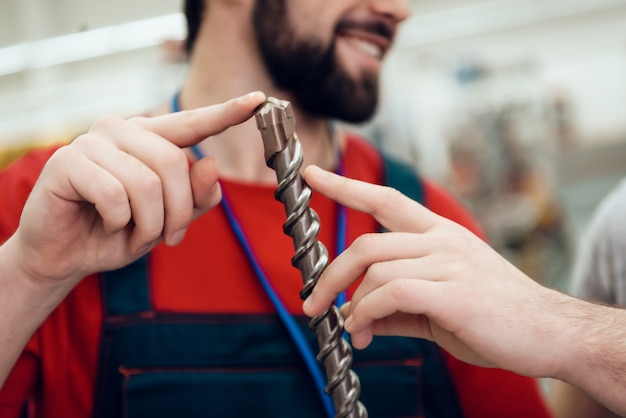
[(370, 38), (367, 47)]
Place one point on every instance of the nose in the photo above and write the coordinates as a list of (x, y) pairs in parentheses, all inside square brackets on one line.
[(398, 10)]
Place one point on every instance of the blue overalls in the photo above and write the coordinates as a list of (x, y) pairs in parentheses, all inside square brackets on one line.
[(155, 364)]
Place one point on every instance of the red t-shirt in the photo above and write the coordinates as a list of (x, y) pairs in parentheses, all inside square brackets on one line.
[(58, 367)]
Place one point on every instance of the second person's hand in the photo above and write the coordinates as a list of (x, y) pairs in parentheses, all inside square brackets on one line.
[(431, 278)]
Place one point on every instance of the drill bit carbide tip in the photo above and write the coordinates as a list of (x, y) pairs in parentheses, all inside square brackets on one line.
[(277, 124)]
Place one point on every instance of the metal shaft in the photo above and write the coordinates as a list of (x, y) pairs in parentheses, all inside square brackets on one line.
[(283, 153)]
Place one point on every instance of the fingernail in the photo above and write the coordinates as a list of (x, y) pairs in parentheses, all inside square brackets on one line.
[(324, 174), (308, 303), (314, 171), (177, 237), (314, 168), (143, 250), (347, 323), (250, 96)]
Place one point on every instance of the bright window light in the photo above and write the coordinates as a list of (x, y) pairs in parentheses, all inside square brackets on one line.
[(91, 44)]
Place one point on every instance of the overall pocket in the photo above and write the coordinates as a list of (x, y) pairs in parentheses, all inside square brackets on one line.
[(216, 392)]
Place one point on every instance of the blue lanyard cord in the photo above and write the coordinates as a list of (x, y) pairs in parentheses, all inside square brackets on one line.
[(297, 336), (341, 244), (197, 152), (176, 102)]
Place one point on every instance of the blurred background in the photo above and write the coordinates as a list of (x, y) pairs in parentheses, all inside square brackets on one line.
[(517, 106)]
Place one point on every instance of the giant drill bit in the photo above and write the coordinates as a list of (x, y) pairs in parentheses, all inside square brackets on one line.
[(283, 153)]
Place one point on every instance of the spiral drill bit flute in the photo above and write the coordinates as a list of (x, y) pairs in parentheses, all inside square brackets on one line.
[(283, 153)]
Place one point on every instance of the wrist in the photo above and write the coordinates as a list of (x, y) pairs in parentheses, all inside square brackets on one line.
[(22, 286), (553, 337), (597, 344), (597, 363), (24, 305)]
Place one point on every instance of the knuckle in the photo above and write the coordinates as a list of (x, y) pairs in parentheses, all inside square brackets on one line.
[(174, 159), (466, 242), (459, 240), (81, 141), (193, 122), (78, 140), (63, 157), (137, 120), (365, 245), (390, 198), (60, 155), (181, 216), (150, 185), (391, 194), (106, 122), (114, 193), (152, 232), (398, 289), (377, 272)]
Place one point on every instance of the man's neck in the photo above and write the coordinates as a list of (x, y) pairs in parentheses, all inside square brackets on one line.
[(240, 152)]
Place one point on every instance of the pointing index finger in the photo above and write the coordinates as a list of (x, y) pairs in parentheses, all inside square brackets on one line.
[(188, 127), (391, 208)]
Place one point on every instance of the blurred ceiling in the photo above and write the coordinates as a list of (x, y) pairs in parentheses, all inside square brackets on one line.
[(41, 27), (435, 21), (31, 20), (574, 39)]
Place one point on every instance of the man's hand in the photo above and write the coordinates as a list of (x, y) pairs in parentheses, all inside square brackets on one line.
[(103, 201), (115, 192), (431, 278)]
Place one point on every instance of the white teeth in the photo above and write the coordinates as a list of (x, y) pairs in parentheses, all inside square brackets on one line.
[(367, 47)]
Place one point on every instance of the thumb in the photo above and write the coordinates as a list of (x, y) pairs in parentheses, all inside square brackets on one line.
[(204, 185)]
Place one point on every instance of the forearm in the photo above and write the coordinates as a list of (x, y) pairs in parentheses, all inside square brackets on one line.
[(23, 307), (596, 359)]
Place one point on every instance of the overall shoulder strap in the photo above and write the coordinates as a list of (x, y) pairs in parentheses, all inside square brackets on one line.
[(403, 177), (127, 290)]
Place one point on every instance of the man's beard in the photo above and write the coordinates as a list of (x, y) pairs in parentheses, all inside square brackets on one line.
[(309, 70)]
